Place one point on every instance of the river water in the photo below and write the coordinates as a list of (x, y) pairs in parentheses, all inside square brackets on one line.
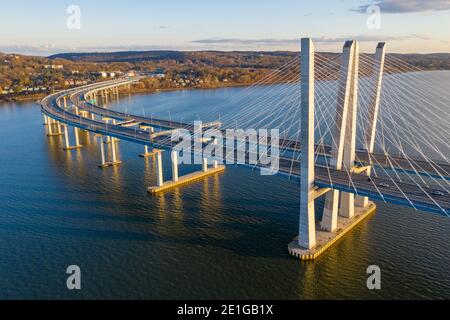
[(222, 238)]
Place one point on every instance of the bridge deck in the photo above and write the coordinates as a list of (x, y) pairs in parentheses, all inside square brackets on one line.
[(401, 193), (399, 164)]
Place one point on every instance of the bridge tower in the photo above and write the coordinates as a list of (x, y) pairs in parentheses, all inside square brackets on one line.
[(311, 242)]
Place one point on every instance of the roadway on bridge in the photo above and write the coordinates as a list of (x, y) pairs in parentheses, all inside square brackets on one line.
[(411, 195), (387, 162)]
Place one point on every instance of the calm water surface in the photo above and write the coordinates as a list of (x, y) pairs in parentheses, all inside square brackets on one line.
[(225, 237)]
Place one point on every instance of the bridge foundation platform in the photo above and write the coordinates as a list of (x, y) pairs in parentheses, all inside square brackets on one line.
[(191, 177), (110, 164), (325, 240), (55, 134), (72, 147)]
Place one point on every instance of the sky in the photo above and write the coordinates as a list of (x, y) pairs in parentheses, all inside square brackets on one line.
[(41, 27)]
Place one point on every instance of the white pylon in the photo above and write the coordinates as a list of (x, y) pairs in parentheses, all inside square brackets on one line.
[(159, 173), (113, 150), (374, 107), (66, 137), (205, 165), (77, 139), (331, 207), (215, 162), (307, 225), (174, 156), (102, 150)]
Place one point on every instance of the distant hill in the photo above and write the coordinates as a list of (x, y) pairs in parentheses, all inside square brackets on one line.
[(125, 56), (254, 59), (432, 61)]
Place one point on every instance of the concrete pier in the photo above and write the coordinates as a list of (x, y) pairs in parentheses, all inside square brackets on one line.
[(114, 161), (67, 145), (53, 124), (189, 178), (176, 179)]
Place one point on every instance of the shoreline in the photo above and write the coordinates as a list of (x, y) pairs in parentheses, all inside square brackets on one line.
[(23, 98), (142, 91), (39, 96), (19, 98)]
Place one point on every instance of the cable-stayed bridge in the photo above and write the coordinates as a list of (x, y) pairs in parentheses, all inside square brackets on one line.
[(349, 126)]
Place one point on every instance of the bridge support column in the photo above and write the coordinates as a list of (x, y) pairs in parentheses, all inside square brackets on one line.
[(114, 161), (67, 139), (45, 119), (159, 172), (215, 162), (102, 150), (113, 150), (205, 165), (307, 225), (77, 139), (49, 126), (330, 211), (53, 124), (174, 165), (58, 126)]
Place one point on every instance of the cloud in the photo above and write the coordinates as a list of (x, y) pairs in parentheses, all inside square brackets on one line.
[(406, 6), (370, 38), (290, 42), (234, 41)]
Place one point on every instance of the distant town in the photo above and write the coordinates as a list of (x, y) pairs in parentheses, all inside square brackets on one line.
[(28, 77)]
